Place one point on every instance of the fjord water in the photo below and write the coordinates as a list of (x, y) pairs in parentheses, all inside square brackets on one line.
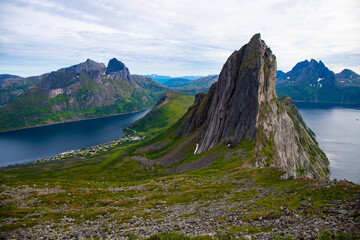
[(36, 143), (337, 129)]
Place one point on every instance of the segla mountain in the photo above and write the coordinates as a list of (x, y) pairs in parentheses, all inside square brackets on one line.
[(82, 91), (243, 106)]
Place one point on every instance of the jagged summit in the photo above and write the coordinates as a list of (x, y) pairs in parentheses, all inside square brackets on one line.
[(246, 80), (117, 69), (311, 73), (243, 105), (115, 65)]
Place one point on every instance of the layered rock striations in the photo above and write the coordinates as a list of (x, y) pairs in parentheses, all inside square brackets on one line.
[(243, 105)]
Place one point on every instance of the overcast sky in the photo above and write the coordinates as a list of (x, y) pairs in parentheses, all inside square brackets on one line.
[(173, 37)]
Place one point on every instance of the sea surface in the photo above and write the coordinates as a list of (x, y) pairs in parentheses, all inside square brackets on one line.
[(31, 144), (337, 129)]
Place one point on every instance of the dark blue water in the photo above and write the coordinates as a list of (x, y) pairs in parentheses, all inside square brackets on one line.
[(337, 129), (35, 143), (336, 126)]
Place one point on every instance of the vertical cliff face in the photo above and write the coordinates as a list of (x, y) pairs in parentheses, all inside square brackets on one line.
[(243, 105)]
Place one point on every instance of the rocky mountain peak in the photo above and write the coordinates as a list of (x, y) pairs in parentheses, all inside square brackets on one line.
[(117, 69), (115, 65), (243, 105), (348, 77), (246, 80), (311, 73), (347, 73)]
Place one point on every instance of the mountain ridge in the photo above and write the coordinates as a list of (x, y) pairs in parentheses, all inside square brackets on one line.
[(79, 92), (312, 81)]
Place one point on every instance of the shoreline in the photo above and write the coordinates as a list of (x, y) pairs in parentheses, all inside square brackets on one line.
[(22, 165), (73, 155), (56, 123)]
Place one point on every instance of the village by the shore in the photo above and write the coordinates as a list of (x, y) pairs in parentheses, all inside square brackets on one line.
[(89, 151)]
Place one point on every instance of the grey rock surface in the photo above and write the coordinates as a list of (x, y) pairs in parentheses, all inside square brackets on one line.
[(243, 105)]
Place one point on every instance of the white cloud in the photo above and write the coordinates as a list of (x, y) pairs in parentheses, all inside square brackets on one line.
[(177, 37)]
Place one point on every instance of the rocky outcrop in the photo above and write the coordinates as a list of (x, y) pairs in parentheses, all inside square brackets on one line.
[(117, 69), (114, 65), (243, 105)]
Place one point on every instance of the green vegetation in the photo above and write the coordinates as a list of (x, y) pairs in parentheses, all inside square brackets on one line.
[(114, 187), (228, 236), (317, 94), (328, 236), (12, 88), (90, 99), (171, 108), (112, 182)]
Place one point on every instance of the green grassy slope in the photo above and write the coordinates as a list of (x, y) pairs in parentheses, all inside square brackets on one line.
[(108, 185), (112, 191), (170, 108)]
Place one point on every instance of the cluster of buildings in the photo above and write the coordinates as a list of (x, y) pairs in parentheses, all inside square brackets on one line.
[(86, 152)]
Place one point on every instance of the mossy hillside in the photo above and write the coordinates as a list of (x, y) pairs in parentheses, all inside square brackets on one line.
[(111, 183), (111, 186), (170, 108)]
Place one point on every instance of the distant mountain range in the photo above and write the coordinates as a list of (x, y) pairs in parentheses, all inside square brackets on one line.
[(82, 91), (11, 86), (7, 76), (202, 83), (348, 77), (162, 79), (307, 81), (313, 81), (190, 85), (91, 89), (176, 82)]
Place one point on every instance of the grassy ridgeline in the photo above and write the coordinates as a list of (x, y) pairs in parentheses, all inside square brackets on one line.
[(169, 109)]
